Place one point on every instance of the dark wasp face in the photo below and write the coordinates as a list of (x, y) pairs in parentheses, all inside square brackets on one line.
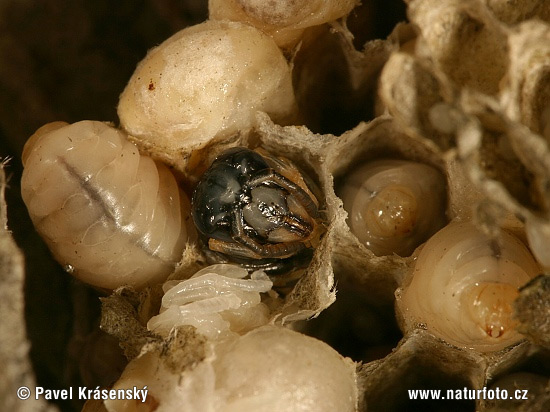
[(255, 210), (222, 189)]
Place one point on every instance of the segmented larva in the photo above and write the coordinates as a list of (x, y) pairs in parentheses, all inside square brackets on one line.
[(394, 205), (463, 287), (252, 365), (111, 216), (218, 300)]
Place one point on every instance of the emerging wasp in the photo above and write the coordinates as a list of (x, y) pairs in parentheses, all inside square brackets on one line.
[(257, 210)]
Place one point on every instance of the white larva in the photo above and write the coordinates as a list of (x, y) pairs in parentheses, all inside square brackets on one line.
[(113, 216), (253, 366), (216, 300), (463, 287), (394, 205), (270, 368)]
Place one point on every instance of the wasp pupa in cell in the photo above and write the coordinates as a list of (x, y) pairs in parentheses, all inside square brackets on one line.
[(463, 287), (113, 216), (258, 211), (393, 205), (205, 82)]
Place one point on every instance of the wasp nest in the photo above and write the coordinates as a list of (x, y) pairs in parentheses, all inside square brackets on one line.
[(415, 230)]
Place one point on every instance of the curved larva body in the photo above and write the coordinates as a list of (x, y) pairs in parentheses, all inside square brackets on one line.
[(206, 81), (108, 214), (394, 205), (276, 369), (463, 287)]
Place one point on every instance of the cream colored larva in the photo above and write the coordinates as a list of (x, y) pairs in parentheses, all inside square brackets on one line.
[(394, 205), (205, 83), (111, 216), (253, 366), (218, 301), (268, 369), (284, 20), (463, 286)]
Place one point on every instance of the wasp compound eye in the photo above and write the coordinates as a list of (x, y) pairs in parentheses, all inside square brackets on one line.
[(256, 210)]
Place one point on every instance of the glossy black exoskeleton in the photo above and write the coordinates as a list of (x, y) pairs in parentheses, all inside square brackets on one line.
[(257, 211)]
